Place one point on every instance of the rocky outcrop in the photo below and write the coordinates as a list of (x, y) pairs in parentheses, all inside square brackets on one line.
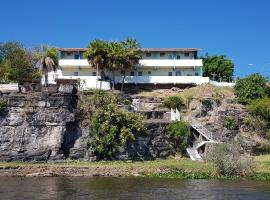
[(44, 126)]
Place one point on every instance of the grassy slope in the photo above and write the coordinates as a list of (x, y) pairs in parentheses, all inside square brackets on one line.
[(262, 164)]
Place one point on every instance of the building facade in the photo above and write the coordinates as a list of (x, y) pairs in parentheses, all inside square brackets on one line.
[(158, 66)]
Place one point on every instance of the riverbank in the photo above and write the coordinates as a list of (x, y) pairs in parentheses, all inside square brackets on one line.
[(169, 168)]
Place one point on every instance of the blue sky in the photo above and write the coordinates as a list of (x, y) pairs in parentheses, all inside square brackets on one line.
[(239, 29)]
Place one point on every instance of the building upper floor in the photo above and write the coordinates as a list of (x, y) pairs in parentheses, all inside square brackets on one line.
[(152, 57)]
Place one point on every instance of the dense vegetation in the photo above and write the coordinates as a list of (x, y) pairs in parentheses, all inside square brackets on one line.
[(179, 132), (230, 123), (3, 105), (111, 127), (113, 56), (16, 63), (173, 102), (219, 68), (250, 88), (229, 159)]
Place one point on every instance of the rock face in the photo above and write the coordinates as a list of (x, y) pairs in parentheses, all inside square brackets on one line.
[(35, 127), (46, 126)]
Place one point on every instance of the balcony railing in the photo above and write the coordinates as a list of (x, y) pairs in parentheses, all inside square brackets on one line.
[(198, 80), (142, 62)]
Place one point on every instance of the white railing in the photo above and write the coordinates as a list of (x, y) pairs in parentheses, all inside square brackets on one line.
[(175, 115), (86, 82), (73, 62), (171, 63), (198, 80), (222, 84), (142, 62)]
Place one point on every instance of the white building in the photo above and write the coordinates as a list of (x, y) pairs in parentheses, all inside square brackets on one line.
[(158, 66)]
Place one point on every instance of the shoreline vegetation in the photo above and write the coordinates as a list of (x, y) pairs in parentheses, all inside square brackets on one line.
[(181, 168)]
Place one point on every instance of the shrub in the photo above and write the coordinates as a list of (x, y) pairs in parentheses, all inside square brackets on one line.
[(230, 123), (229, 159), (260, 107), (111, 129), (91, 100), (126, 102), (250, 88), (173, 102), (3, 105), (217, 97), (255, 123), (179, 132)]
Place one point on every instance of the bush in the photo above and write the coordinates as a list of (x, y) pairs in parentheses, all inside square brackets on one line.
[(111, 129), (179, 132), (229, 159), (250, 88), (173, 102), (230, 123), (260, 107), (255, 123), (3, 105), (91, 100)]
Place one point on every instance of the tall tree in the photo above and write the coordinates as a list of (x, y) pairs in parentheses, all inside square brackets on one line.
[(15, 63), (116, 54), (48, 61), (97, 55), (219, 68), (132, 56)]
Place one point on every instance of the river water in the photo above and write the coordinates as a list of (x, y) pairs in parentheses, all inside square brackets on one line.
[(58, 188)]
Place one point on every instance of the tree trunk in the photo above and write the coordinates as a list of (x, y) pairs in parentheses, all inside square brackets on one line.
[(113, 80), (46, 79), (123, 82)]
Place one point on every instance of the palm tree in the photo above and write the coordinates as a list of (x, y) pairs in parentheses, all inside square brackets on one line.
[(132, 55), (97, 55), (48, 61), (116, 54)]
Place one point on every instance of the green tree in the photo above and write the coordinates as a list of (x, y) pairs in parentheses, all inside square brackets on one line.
[(252, 87), (97, 55), (261, 107), (218, 67), (15, 63), (48, 61), (111, 129), (179, 132), (116, 55), (132, 55)]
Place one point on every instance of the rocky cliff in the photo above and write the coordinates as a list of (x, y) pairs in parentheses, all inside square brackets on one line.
[(46, 125)]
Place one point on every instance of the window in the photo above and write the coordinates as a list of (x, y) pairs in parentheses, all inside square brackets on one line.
[(169, 73), (76, 73), (186, 54), (178, 57), (131, 73), (161, 54), (177, 73), (62, 54), (76, 56), (149, 72), (139, 73), (148, 54), (68, 53), (196, 74), (94, 73)]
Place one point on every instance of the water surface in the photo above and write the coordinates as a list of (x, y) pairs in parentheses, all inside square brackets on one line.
[(58, 188)]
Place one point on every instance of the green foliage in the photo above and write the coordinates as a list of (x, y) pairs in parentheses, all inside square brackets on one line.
[(91, 100), (260, 107), (228, 159), (217, 97), (255, 123), (3, 105), (111, 129), (220, 66), (230, 123), (115, 55), (250, 88), (16, 64), (173, 102), (179, 132), (126, 102)]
